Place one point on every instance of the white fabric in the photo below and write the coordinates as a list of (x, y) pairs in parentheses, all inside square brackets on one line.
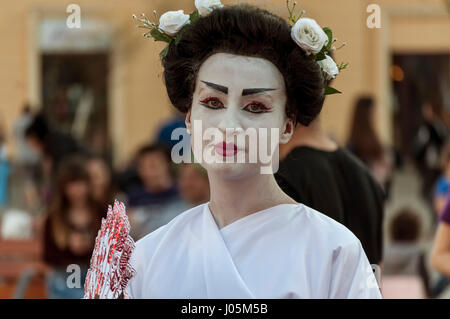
[(16, 224), (287, 251)]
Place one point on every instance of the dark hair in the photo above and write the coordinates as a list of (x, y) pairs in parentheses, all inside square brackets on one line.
[(248, 31), (112, 187), (445, 155), (155, 148), (162, 149), (363, 137), (38, 128), (72, 169), (405, 226), (26, 108)]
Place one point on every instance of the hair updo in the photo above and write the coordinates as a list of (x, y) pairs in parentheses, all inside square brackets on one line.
[(248, 31)]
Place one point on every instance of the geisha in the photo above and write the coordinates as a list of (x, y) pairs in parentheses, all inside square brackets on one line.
[(242, 67)]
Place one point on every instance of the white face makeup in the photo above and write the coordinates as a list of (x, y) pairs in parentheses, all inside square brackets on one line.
[(239, 93)]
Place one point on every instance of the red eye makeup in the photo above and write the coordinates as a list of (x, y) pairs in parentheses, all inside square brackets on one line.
[(212, 103), (257, 107)]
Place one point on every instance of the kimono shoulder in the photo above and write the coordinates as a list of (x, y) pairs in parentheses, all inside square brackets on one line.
[(350, 274), (324, 229)]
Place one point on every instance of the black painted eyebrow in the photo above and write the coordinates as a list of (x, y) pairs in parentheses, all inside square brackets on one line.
[(217, 87), (255, 91)]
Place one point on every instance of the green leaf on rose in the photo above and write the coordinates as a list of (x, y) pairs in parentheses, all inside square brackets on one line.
[(178, 37), (320, 56), (164, 51), (329, 90), (160, 36), (194, 16), (329, 34)]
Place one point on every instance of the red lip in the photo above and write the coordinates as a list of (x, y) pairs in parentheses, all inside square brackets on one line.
[(226, 149)]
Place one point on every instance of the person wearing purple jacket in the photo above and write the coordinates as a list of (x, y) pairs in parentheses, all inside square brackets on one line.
[(440, 255)]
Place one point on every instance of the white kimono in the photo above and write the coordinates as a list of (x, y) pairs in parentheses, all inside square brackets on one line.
[(286, 251)]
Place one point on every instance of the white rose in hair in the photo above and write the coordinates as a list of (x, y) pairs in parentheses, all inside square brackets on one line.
[(329, 67), (205, 7), (309, 35), (173, 21)]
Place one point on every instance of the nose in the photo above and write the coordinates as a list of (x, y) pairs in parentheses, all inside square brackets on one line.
[(231, 120)]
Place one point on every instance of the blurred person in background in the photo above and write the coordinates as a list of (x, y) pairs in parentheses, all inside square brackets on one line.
[(26, 164), (365, 143), (428, 144), (102, 181), (51, 147), (403, 259), (156, 201), (440, 255), (442, 187), (164, 135), (25, 156), (193, 184), (49, 143), (5, 166), (318, 173), (70, 227)]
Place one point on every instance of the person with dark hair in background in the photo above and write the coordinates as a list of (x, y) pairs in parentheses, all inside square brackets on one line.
[(156, 200), (25, 156), (164, 134), (49, 143), (70, 227), (102, 181), (154, 167), (193, 184), (52, 147), (440, 255), (5, 166), (442, 186), (365, 144), (404, 271), (317, 172), (428, 144), (27, 162)]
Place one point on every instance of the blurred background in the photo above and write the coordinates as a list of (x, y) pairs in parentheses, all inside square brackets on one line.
[(85, 119)]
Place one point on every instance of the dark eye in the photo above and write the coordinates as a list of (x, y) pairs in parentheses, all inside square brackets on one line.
[(256, 107), (212, 103)]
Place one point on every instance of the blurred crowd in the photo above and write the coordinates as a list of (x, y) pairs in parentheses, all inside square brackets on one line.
[(65, 191), (56, 191)]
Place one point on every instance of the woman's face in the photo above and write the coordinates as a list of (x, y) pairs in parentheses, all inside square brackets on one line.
[(236, 96), (193, 185), (77, 191), (99, 174)]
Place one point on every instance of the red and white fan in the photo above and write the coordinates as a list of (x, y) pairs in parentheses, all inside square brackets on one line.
[(110, 269)]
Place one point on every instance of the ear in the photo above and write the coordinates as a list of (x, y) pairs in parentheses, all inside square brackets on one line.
[(288, 131), (188, 122)]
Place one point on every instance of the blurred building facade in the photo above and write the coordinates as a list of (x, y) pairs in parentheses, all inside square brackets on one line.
[(123, 94)]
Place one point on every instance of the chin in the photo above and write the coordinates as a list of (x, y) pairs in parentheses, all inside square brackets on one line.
[(232, 171)]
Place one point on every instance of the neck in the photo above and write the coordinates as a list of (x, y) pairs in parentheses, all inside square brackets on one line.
[(231, 200), (313, 136)]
